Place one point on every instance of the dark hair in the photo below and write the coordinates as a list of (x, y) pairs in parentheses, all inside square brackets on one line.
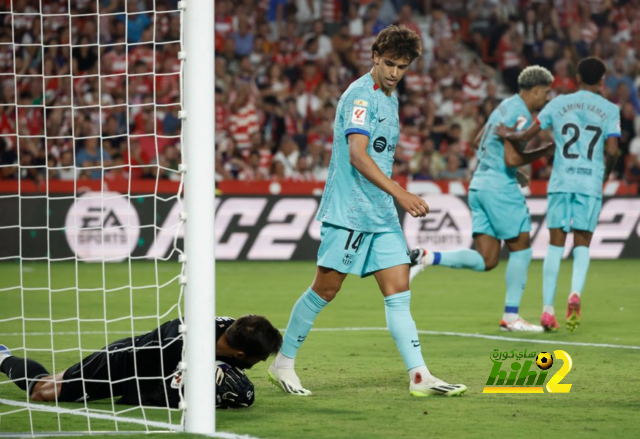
[(591, 70), (398, 42), (254, 335)]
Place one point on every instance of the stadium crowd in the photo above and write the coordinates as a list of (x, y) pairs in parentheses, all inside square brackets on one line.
[(281, 66)]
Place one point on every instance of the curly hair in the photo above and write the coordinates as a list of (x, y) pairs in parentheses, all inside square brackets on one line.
[(534, 76), (397, 42)]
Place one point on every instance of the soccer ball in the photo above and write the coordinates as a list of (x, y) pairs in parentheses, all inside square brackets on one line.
[(544, 360)]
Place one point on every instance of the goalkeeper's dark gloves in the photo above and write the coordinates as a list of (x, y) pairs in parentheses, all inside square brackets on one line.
[(233, 388)]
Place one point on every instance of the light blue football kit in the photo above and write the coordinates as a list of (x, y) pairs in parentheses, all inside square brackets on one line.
[(360, 231), (581, 121), (498, 208), (497, 205)]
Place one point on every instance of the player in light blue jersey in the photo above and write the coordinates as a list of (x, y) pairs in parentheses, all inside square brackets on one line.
[(586, 128), (360, 231), (498, 208)]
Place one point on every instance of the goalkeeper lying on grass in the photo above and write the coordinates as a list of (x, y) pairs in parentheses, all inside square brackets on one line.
[(143, 370)]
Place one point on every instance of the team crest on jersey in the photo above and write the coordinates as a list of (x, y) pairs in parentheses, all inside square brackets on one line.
[(521, 122), (347, 259), (358, 115)]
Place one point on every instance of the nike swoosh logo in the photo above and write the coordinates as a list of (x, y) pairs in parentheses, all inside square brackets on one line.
[(382, 120)]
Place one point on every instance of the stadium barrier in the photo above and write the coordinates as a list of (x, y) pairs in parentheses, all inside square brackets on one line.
[(260, 227)]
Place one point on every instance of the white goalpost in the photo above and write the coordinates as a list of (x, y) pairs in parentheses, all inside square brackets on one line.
[(106, 129), (199, 233)]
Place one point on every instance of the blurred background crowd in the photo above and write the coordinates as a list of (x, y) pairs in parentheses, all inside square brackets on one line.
[(281, 66)]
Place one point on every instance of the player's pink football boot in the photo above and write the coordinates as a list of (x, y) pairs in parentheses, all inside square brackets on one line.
[(573, 312), (549, 322)]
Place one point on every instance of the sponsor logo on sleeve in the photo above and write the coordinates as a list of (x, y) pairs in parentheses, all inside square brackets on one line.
[(358, 115)]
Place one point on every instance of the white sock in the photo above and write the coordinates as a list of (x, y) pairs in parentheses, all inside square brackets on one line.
[(420, 374), (575, 292), (510, 317), (548, 309), (428, 258), (284, 362), (3, 357)]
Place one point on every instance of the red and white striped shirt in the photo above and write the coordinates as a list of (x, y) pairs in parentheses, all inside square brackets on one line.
[(243, 123), (418, 82), (474, 87), (410, 145), (590, 32), (331, 11)]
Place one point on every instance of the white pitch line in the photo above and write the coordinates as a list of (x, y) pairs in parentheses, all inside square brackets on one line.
[(88, 414), (488, 337), (454, 334)]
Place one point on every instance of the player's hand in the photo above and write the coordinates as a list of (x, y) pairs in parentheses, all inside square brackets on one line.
[(503, 131), (414, 205), (522, 178), (233, 388)]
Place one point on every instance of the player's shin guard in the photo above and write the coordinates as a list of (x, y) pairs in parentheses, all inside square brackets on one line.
[(403, 328), (463, 258), (302, 317), (580, 267), (550, 271), (516, 277), (14, 368)]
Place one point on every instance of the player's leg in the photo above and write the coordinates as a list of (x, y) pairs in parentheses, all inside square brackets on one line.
[(550, 271), (339, 249), (581, 260), (387, 250), (325, 286), (585, 211), (49, 389), (27, 374), (481, 259), (516, 280)]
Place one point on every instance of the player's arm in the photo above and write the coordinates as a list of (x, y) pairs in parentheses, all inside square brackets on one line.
[(518, 139), (611, 154), (478, 138), (516, 157), (360, 160)]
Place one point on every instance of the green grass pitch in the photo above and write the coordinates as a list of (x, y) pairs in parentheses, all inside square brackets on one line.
[(360, 385)]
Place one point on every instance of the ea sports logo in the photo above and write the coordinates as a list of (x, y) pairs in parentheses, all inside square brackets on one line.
[(102, 226), (544, 360), (447, 227)]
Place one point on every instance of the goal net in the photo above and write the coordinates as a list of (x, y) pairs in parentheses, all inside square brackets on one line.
[(92, 144)]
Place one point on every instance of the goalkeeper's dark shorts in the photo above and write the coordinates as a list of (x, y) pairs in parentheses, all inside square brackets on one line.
[(101, 374)]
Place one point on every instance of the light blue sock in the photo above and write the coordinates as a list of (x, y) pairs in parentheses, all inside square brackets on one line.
[(463, 258), (516, 277), (550, 271), (403, 328), (303, 314), (580, 266)]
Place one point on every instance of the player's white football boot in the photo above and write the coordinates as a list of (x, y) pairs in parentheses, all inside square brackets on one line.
[(434, 387), (287, 380), (417, 262), (520, 325)]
